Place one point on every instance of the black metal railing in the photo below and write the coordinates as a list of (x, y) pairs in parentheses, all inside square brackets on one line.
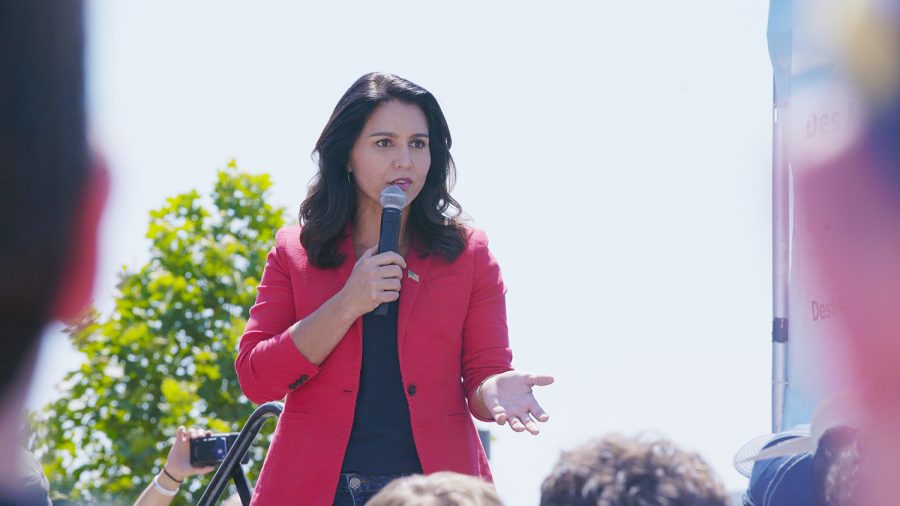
[(231, 469)]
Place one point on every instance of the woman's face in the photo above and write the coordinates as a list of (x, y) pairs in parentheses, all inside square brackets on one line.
[(392, 149)]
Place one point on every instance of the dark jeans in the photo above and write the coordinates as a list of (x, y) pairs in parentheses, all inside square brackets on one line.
[(356, 489)]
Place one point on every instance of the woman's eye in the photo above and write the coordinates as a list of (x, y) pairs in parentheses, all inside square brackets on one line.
[(418, 144), (383, 143)]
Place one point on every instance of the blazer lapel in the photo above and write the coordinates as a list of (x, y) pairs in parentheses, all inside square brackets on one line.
[(416, 269)]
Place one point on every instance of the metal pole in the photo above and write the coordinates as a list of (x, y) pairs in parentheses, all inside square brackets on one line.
[(231, 466), (781, 256)]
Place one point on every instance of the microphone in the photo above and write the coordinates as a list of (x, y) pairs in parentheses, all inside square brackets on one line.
[(393, 200)]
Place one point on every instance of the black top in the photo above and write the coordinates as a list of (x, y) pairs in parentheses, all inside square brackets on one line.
[(381, 441)]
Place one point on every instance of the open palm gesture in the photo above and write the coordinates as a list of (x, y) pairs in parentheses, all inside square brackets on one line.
[(509, 398)]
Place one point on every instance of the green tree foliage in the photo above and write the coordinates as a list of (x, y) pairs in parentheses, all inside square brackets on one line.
[(165, 355)]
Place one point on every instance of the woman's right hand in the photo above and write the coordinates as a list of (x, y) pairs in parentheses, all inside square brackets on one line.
[(375, 280)]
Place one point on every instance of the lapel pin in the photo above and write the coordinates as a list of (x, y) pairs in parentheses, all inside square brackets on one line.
[(413, 276)]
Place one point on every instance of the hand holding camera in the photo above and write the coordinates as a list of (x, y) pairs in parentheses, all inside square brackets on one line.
[(180, 462), (178, 466)]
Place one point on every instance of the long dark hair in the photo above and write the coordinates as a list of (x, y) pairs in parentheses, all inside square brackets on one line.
[(330, 204)]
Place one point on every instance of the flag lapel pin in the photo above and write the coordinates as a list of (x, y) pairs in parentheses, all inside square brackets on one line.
[(413, 276)]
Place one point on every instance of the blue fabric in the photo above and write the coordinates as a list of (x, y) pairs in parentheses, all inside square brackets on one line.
[(381, 442), (24, 497), (782, 481), (356, 489)]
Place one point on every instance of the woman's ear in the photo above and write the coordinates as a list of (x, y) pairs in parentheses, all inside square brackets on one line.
[(77, 282)]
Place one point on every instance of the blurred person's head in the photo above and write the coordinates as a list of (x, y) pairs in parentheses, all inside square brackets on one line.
[(624, 471), (820, 461), (837, 469), (336, 193), (439, 489), (50, 196)]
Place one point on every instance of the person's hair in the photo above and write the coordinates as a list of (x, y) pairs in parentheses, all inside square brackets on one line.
[(836, 468), (330, 205), (622, 471), (44, 163), (444, 488)]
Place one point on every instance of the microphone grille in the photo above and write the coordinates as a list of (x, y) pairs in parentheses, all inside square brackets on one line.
[(393, 196)]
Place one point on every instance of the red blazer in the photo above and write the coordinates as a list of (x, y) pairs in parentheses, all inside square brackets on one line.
[(451, 335)]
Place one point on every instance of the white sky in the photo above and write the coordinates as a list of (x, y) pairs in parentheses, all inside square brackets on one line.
[(616, 153)]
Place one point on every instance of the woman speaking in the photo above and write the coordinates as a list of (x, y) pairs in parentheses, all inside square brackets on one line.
[(371, 397)]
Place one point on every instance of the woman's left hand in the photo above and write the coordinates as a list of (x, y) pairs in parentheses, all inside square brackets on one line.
[(508, 397)]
